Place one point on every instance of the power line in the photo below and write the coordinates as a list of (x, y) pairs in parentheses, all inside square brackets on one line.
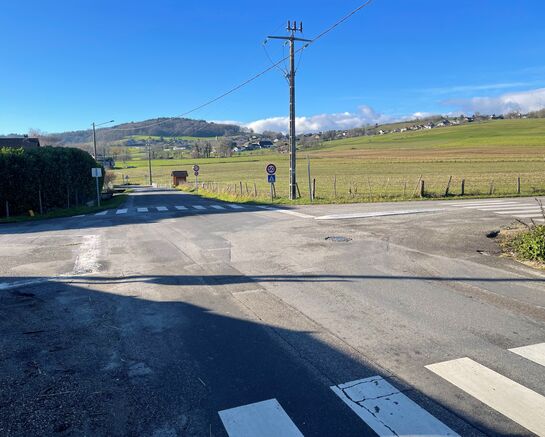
[(255, 76)]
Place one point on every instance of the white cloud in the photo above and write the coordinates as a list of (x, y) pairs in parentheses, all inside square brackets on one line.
[(322, 122), (525, 101), (481, 87)]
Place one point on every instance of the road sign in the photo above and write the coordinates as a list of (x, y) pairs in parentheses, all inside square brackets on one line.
[(196, 168), (271, 169), (196, 173), (96, 172), (271, 178)]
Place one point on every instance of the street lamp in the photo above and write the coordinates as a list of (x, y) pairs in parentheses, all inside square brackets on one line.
[(95, 135)]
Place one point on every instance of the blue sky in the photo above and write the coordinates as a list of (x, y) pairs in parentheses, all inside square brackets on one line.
[(68, 63)]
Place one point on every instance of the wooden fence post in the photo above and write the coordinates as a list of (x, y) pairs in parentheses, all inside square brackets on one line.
[(314, 188), (448, 186), (335, 186), (241, 188), (463, 188), (404, 189), (422, 188), (491, 191), (255, 189), (518, 185)]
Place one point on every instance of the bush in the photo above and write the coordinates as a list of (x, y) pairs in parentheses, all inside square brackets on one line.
[(59, 176), (530, 245)]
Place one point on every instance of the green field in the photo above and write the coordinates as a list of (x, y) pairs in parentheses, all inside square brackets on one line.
[(489, 156)]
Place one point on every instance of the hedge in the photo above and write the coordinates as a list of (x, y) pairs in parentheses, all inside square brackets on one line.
[(58, 176)]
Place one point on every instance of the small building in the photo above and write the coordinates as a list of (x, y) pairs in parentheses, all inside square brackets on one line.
[(20, 142), (178, 177)]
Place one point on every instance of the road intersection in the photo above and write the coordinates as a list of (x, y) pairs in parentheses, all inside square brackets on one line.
[(161, 318)]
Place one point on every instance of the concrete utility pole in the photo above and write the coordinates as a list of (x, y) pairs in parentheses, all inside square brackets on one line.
[(292, 29)]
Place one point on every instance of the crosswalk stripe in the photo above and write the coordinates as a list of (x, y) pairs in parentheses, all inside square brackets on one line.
[(264, 419), (502, 205), (121, 211), (102, 212), (534, 352), (217, 206), (511, 399), (161, 208), (198, 207), (388, 411), (142, 209), (235, 206), (180, 208)]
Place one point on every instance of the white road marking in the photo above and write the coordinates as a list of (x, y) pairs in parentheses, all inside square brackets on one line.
[(121, 211), (161, 208), (217, 206), (102, 212), (534, 352), (485, 203), (520, 211), (180, 208), (87, 260), (198, 207), (511, 399), (263, 419), (375, 214), (142, 209), (295, 213), (388, 411), (537, 217), (505, 208), (235, 206)]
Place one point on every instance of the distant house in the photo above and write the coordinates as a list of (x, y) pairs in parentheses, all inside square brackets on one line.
[(265, 144), (178, 177), (20, 142), (106, 162)]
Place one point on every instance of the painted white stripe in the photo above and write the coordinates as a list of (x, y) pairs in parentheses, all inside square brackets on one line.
[(102, 212), (142, 209), (161, 208), (502, 207), (235, 206), (520, 210), (534, 352), (180, 208), (483, 203), (217, 206), (388, 411), (374, 214), (121, 211), (511, 399), (198, 207), (266, 207), (295, 213), (263, 419)]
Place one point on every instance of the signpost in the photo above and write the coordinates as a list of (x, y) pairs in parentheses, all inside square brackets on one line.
[(96, 172), (196, 173), (271, 178)]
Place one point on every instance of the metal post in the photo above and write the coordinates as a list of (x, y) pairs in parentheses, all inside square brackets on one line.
[(149, 164), (94, 141), (98, 193), (309, 182)]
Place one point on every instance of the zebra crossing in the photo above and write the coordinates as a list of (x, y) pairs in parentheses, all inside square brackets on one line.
[(522, 209), (175, 208), (388, 411)]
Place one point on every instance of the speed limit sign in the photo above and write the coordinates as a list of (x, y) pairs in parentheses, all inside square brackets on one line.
[(271, 169), (196, 167)]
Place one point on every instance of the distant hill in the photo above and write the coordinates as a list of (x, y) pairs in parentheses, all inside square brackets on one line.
[(166, 127)]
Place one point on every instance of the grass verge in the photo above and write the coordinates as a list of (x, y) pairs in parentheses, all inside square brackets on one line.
[(114, 202)]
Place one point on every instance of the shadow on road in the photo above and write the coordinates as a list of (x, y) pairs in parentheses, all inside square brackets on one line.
[(80, 360)]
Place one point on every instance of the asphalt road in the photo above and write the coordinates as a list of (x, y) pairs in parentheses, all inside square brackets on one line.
[(181, 316)]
